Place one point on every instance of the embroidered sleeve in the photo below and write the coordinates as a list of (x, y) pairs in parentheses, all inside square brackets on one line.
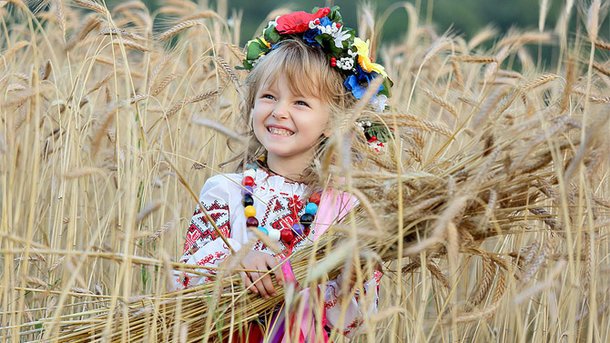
[(361, 305), (203, 245)]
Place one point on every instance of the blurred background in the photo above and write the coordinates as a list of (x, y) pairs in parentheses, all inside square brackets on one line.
[(464, 17)]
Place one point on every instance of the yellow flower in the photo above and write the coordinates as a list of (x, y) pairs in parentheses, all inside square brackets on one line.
[(364, 59)]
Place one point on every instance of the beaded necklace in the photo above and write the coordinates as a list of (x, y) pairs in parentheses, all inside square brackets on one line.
[(286, 235)]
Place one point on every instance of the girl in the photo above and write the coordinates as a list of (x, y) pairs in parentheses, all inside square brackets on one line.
[(306, 69)]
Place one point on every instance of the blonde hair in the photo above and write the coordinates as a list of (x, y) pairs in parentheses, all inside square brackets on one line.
[(308, 73)]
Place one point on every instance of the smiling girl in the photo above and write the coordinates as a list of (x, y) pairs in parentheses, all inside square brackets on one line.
[(306, 69)]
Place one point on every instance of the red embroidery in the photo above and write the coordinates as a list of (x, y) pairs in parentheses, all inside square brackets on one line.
[(192, 235), (211, 258), (283, 223), (295, 203), (215, 211), (377, 276), (333, 294), (353, 325), (278, 206), (219, 214), (185, 281), (329, 304), (267, 211)]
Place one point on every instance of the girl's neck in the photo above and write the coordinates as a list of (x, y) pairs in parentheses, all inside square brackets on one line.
[(290, 168)]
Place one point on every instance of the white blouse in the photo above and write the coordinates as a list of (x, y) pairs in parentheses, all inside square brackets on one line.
[(279, 203)]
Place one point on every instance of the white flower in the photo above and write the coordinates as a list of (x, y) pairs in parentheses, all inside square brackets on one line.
[(326, 29), (340, 36), (345, 63), (379, 102)]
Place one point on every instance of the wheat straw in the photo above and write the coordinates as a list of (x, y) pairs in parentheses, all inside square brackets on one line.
[(94, 6), (490, 222), (176, 29)]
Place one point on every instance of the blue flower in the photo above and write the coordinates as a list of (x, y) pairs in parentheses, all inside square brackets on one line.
[(362, 75), (324, 21), (359, 81), (352, 84), (310, 37)]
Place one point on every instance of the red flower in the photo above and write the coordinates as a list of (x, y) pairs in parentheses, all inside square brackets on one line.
[(298, 22)]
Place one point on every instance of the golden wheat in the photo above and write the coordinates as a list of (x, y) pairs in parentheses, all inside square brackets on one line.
[(487, 210)]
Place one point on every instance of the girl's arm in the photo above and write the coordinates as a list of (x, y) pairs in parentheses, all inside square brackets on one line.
[(348, 317), (203, 245)]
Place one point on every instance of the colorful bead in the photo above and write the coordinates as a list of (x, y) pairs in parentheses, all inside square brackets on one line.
[(311, 208), (286, 235), (247, 190), (248, 200), (274, 234), (306, 219), (306, 231), (248, 181), (298, 228), (315, 198), (250, 211), (252, 221)]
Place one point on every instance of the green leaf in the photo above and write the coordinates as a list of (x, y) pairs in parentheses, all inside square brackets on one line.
[(255, 49), (271, 35), (335, 15)]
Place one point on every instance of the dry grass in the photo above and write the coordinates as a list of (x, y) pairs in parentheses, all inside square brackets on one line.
[(489, 208)]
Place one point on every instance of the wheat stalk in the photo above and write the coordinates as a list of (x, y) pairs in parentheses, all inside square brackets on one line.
[(602, 45), (176, 29), (94, 6)]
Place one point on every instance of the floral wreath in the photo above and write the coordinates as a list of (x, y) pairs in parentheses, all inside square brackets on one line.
[(324, 28)]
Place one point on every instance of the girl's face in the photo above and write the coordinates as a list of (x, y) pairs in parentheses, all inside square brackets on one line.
[(289, 126)]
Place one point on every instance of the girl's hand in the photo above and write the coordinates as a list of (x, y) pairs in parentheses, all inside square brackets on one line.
[(260, 282)]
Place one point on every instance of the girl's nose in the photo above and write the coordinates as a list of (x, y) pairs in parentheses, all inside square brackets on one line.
[(280, 112)]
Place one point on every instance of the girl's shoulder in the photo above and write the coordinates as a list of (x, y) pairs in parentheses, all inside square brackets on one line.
[(223, 183), (225, 179), (264, 181)]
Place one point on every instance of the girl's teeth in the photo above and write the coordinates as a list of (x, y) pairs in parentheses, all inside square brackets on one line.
[(280, 132)]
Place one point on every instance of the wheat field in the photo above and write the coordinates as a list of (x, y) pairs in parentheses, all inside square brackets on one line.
[(489, 210)]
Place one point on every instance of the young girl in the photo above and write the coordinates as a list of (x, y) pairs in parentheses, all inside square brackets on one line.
[(306, 69)]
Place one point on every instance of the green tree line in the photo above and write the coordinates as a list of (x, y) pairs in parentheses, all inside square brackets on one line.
[(464, 17)]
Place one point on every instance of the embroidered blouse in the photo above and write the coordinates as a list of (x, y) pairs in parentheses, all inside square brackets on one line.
[(279, 203)]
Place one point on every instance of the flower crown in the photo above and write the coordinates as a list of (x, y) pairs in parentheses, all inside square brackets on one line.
[(324, 28)]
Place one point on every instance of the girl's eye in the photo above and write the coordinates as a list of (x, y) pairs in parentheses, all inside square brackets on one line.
[(302, 103), (268, 96)]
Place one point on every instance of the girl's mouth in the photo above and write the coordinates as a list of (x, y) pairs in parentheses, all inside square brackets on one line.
[(279, 131)]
